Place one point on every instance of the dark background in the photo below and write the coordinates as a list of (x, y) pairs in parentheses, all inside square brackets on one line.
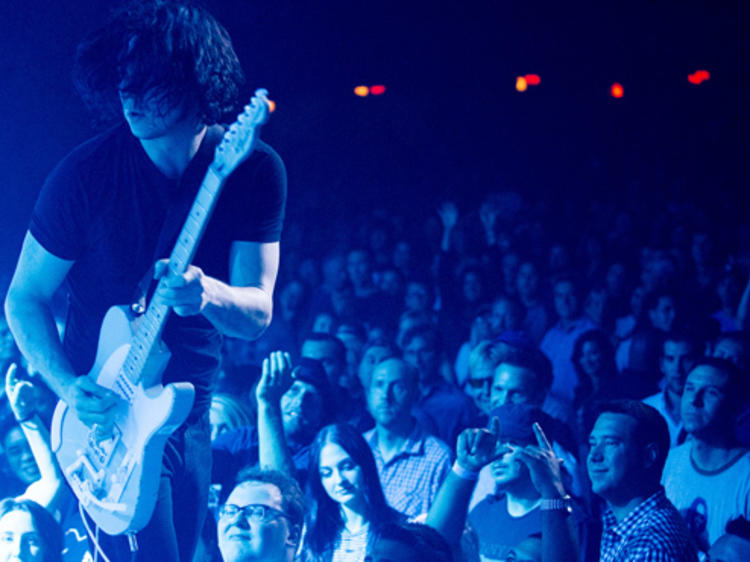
[(451, 124)]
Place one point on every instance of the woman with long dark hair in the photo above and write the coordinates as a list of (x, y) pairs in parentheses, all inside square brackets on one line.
[(29, 532), (346, 501)]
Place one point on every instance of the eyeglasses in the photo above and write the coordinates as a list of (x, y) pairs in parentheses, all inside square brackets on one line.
[(254, 511)]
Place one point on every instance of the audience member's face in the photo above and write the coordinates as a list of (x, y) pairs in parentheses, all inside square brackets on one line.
[(636, 300), (662, 316), (323, 323), (219, 419), (334, 272), (730, 548), (424, 358), (566, 302), (591, 358), (502, 318), (325, 352), (340, 476), (390, 282), (507, 470), (371, 357), (472, 287), (402, 255), (388, 550), (291, 296), (19, 539), (614, 459), (353, 344), (676, 362), (243, 538), (391, 394), (416, 297), (479, 386), (514, 385), (301, 410), (704, 402), (615, 279), (358, 266), (20, 459), (527, 280), (595, 306)]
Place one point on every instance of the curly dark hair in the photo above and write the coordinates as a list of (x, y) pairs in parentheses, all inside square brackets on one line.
[(172, 47)]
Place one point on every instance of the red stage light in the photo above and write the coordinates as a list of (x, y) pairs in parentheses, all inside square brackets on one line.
[(377, 90), (617, 91), (532, 79), (699, 76)]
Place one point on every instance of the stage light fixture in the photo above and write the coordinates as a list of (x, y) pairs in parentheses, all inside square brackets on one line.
[(617, 91), (361, 91), (521, 84)]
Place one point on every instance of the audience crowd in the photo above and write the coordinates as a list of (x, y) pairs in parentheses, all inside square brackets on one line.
[(508, 382)]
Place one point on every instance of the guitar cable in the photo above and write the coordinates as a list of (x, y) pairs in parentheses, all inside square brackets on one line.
[(93, 536)]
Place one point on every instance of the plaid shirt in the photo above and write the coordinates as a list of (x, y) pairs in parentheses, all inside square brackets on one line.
[(653, 532), (412, 477)]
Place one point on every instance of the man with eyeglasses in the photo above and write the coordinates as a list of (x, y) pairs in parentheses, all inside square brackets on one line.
[(262, 518)]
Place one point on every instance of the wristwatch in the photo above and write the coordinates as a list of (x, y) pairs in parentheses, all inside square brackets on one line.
[(556, 504)]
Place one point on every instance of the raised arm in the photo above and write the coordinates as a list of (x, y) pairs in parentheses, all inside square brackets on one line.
[(474, 449), (48, 489), (275, 380), (243, 307), (27, 308), (559, 539)]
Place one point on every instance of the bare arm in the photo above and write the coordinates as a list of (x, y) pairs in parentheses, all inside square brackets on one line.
[(48, 489), (242, 308), (27, 307), (275, 380), (474, 449)]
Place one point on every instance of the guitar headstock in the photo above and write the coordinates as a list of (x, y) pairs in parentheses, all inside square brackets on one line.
[(239, 139)]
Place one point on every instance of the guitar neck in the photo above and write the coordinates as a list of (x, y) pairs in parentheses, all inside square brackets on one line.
[(152, 323)]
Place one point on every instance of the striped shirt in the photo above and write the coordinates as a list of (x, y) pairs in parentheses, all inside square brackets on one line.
[(653, 532), (412, 477)]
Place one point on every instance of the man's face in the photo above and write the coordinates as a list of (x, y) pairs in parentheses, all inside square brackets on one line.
[(424, 358), (416, 297), (507, 470), (358, 266), (325, 352), (243, 538), (514, 385), (479, 387), (676, 362), (301, 410), (731, 350), (19, 539), (391, 393), (19, 456), (614, 459), (662, 316), (527, 280), (502, 318), (704, 408), (150, 117), (566, 302)]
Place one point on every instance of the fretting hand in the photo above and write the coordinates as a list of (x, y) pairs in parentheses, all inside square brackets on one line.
[(188, 293)]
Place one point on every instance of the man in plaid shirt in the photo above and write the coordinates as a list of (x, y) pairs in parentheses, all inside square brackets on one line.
[(628, 448)]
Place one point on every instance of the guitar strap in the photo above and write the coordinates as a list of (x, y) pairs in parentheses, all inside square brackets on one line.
[(179, 206)]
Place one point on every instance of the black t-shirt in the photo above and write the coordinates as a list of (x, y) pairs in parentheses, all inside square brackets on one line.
[(103, 207)]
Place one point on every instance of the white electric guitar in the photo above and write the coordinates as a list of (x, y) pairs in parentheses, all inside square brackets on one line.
[(116, 479)]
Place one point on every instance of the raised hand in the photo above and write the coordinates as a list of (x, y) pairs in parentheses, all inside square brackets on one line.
[(543, 465), (477, 447), (448, 214), (20, 394), (276, 378)]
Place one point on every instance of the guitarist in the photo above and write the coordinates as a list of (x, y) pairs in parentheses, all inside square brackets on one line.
[(168, 68)]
